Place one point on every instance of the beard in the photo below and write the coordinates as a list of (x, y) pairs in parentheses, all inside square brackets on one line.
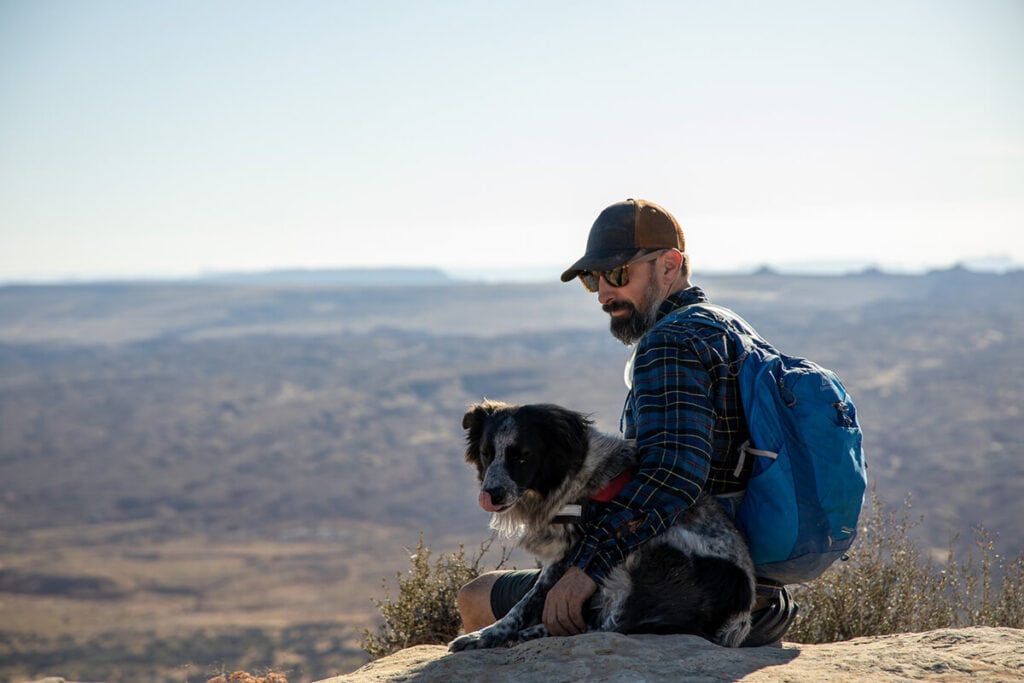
[(629, 328)]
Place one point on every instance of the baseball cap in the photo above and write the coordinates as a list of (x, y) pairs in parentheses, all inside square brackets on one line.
[(622, 230)]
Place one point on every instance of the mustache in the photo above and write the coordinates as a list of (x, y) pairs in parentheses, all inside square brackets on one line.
[(618, 306)]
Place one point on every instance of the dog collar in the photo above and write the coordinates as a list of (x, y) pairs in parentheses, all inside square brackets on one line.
[(572, 513), (613, 487), (569, 514)]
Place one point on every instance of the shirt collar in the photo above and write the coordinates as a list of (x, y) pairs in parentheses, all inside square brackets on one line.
[(684, 297)]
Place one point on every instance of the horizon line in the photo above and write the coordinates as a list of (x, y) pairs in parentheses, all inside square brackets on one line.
[(511, 274)]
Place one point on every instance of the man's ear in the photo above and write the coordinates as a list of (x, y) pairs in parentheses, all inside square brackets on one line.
[(670, 264)]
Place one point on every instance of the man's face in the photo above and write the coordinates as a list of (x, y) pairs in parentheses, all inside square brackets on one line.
[(634, 306)]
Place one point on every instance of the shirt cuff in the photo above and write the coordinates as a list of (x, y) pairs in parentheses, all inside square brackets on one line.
[(598, 567)]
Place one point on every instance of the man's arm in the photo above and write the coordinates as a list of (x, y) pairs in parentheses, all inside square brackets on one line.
[(674, 424)]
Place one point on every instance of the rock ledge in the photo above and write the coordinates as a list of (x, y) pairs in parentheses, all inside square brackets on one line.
[(978, 654)]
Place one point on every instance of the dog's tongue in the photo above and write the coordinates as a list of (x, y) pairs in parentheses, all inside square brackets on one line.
[(485, 502)]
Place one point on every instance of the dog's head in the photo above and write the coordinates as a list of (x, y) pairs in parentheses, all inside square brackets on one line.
[(517, 449)]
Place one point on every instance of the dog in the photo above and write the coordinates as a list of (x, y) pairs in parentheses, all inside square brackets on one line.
[(539, 467)]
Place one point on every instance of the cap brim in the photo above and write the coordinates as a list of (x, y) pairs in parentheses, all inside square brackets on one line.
[(598, 262)]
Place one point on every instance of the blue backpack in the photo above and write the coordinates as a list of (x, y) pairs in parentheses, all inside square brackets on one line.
[(807, 485)]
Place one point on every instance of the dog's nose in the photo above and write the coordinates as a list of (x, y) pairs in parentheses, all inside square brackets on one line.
[(497, 494)]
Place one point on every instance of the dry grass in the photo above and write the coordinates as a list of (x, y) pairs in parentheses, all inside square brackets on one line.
[(889, 586), (886, 586), (246, 677)]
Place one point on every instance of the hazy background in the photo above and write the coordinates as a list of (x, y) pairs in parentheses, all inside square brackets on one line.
[(168, 138), (208, 473), (220, 473)]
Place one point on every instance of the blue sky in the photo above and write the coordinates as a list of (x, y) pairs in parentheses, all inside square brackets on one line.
[(175, 137)]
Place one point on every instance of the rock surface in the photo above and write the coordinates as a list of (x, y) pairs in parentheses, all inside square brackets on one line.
[(978, 654)]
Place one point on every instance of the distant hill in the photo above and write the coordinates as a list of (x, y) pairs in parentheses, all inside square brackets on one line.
[(334, 276), (290, 387)]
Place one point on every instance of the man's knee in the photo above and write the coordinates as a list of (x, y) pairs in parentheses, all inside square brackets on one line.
[(474, 602)]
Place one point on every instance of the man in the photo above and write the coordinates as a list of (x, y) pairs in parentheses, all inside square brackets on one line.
[(683, 409)]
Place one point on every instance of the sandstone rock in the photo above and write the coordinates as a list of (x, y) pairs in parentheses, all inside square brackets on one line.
[(978, 654)]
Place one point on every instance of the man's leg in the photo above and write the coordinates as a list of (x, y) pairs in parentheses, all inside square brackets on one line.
[(491, 595), (474, 601)]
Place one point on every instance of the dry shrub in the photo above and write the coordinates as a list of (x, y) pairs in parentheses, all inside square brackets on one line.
[(244, 677), (887, 586), (425, 611)]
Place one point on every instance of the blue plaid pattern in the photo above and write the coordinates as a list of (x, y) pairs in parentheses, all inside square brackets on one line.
[(685, 414)]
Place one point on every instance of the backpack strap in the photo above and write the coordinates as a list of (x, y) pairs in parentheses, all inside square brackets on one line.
[(712, 315), (743, 336), (724, 319), (746, 449)]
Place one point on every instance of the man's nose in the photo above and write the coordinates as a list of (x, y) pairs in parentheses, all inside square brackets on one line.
[(605, 292)]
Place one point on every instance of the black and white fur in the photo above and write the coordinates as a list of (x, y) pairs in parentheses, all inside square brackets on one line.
[(533, 460)]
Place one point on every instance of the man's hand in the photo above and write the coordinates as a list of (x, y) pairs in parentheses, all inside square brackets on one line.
[(563, 608)]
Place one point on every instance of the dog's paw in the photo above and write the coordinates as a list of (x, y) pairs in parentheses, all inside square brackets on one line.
[(470, 641), (479, 640), (533, 633)]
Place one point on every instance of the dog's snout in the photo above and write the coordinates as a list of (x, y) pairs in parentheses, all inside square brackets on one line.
[(498, 494), (493, 503)]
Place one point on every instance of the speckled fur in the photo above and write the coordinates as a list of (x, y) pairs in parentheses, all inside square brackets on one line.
[(533, 460)]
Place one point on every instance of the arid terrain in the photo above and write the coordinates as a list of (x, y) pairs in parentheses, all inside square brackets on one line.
[(218, 475)]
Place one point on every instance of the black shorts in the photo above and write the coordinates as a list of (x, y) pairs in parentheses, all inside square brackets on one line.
[(509, 588)]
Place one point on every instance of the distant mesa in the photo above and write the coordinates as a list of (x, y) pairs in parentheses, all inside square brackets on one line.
[(872, 271), (765, 271), (334, 276), (366, 276)]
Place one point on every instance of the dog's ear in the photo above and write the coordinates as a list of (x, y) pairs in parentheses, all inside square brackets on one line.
[(473, 422), (567, 429), (474, 417), (477, 413)]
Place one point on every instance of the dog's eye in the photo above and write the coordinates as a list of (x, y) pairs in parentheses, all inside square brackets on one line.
[(515, 456)]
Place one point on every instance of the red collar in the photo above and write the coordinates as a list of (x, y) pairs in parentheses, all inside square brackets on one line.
[(613, 487)]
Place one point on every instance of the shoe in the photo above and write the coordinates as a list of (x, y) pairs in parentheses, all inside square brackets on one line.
[(771, 621)]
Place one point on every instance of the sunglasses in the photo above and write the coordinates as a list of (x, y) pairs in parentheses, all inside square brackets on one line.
[(616, 277)]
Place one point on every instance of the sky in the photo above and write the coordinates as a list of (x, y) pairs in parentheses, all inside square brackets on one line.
[(172, 138)]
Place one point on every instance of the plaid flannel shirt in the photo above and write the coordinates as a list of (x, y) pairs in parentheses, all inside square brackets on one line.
[(685, 414)]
